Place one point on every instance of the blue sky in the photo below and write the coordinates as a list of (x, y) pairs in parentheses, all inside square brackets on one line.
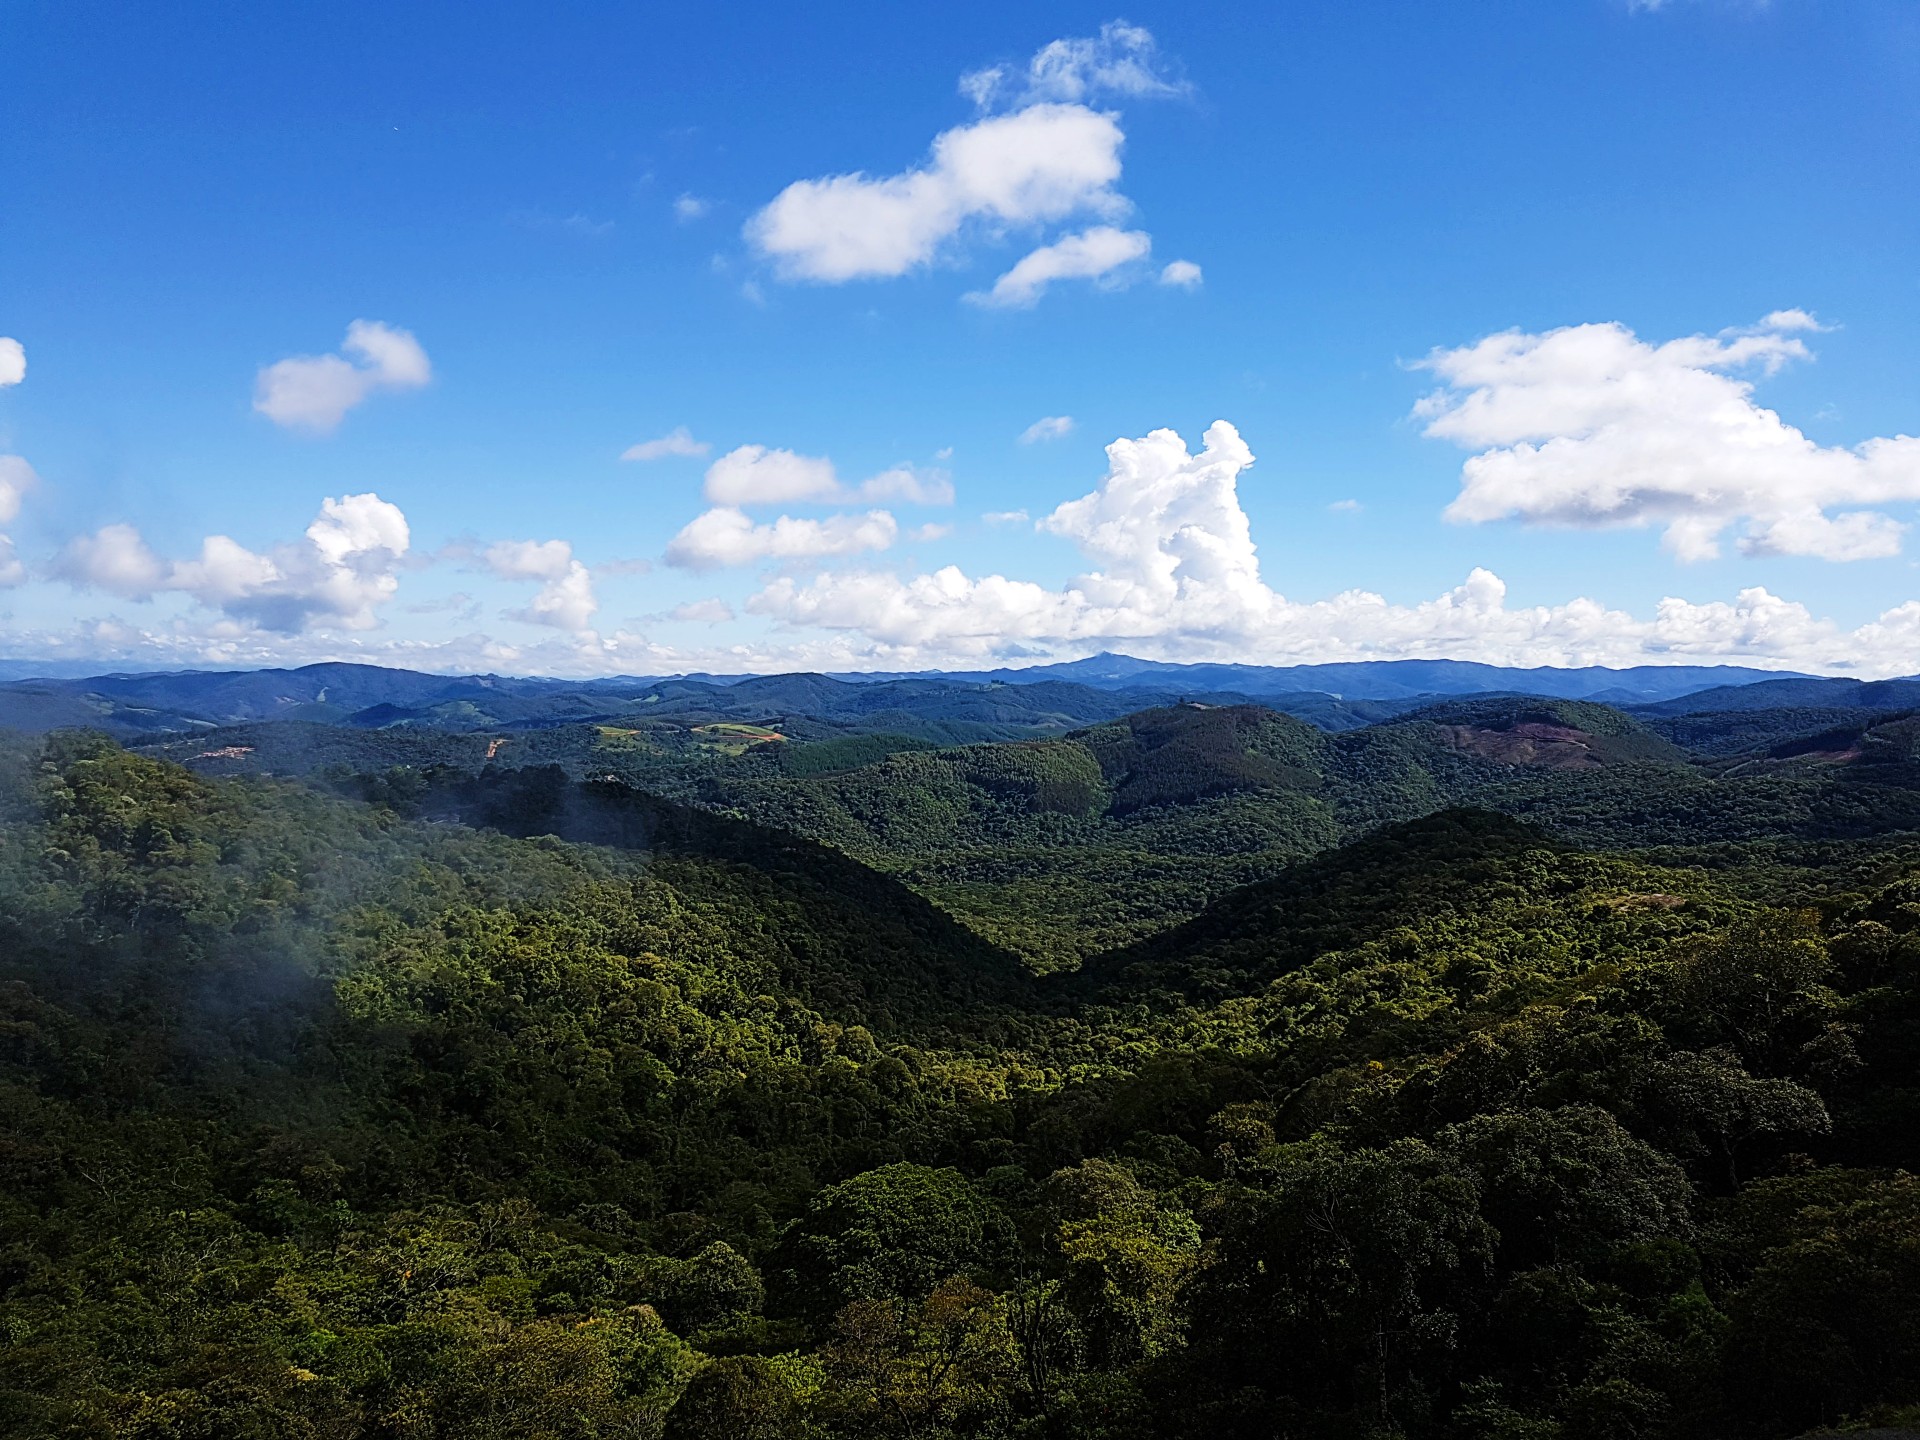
[(334, 322)]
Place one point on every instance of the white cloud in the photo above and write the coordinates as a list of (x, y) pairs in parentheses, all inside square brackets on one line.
[(725, 536), (13, 362), (347, 567), (566, 602), (756, 475), (115, 559), (688, 208), (1590, 426), (529, 559), (1192, 552), (1043, 155), (1006, 517), (17, 477), (228, 575), (711, 611), (1345, 507), (1166, 524), (907, 484), (1165, 527), (1122, 59), (1040, 164), (314, 392), (1792, 319), (1047, 427), (565, 599), (923, 533), (1182, 273), (677, 441), (1101, 254)]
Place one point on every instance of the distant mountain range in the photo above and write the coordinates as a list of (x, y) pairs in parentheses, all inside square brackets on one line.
[(1799, 693), (1384, 679), (935, 708), (946, 707)]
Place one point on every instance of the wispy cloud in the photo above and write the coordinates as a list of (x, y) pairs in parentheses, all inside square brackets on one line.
[(1121, 61), (1103, 254), (1047, 427), (760, 475), (677, 441), (725, 537), (711, 611)]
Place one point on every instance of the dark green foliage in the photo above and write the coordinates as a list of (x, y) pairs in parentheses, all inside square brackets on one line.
[(1721, 733), (490, 1101), (796, 885), (1170, 757), (1799, 692), (899, 1231), (832, 757), (1828, 1324), (738, 1397)]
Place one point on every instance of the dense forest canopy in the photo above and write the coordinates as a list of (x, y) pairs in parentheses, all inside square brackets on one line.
[(1502, 1068)]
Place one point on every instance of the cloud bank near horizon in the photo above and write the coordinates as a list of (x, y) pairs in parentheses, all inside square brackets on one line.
[(1583, 427), (1172, 573)]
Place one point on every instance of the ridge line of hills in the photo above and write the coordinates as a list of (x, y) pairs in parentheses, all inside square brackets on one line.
[(943, 707), (1060, 840)]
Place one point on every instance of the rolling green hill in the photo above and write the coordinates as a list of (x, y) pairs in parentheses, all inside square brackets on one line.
[(1061, 847), (1064, 847)]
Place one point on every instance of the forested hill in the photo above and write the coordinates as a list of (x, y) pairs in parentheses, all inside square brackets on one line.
[(1059, 847), (1064, 847), (1392, 879), (387, 1109), (843, 926)]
